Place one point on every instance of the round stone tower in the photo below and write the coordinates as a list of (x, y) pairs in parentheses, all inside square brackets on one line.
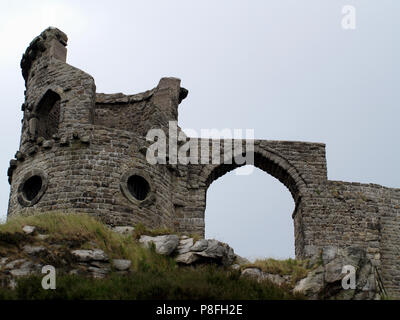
[(83, 151)]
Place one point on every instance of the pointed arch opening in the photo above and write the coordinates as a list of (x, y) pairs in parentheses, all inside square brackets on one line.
[(252, 213), (48, 115), (254, 199)]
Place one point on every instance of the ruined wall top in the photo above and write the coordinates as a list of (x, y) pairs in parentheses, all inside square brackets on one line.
[(51, 42)]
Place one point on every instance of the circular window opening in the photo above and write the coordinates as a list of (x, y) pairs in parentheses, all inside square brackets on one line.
[(138, 187), (32, 187)]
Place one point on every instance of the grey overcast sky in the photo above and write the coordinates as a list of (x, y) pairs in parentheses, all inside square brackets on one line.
[(285, 68)]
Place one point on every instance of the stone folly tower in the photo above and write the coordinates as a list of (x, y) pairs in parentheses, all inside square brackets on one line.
[(83, 151)]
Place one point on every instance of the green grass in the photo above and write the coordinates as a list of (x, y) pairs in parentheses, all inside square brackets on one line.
[(152, 276), (296, 268), (208, 282), (80, 231), (140, 230)]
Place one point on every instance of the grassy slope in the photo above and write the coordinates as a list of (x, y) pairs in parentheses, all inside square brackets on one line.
[(152, 276), (297, 269)]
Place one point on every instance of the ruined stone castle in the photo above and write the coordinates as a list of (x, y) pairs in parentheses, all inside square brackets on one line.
[(83, 151)]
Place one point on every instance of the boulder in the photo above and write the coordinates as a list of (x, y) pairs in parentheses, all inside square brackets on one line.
[(205, 251), (274, 278), (325, 282), (42, 236), (254, 273), (164, 244), (33, 249), (333, 271), (14, 263), (20, 272), (187, 258), (26, 268), (200, 245), (185, 245), (121, 264), (90, 255), (259, 275), (28, 229), (98, 272), (218, 251), (312, 285), (127, 230)]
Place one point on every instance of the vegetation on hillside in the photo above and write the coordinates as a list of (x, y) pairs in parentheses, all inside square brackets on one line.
[(209, 282), (152, 276), (297, 269)]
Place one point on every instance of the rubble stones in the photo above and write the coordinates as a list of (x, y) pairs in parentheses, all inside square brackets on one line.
[(312, 284), (28, 229), (33, 249), (206, 250), (252, 272), (185, 245), (325, 282), (200, 245), (127, 230), (187, 258), (164, 244), (90, 255), (121, 264), (322, 282)]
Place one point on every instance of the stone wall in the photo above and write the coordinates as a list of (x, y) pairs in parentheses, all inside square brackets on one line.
[(89, 155)]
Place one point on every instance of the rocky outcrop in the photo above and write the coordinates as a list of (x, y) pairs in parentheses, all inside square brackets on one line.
[(28, 229), (206, 250), (325, 282), (90, 255), (121, 264), (32, 251), (187, 251), (259, 275), (127, 230), (27, 252), (164, 244), (327, 269)]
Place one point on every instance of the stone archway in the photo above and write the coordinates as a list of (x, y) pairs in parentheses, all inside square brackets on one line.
[(279, 168), (251, 212), (269, 162)]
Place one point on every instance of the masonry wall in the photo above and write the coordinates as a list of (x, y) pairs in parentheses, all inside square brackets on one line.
[(86, 177), (356, 214), (300, 166), (140, 112), (83, 163)]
